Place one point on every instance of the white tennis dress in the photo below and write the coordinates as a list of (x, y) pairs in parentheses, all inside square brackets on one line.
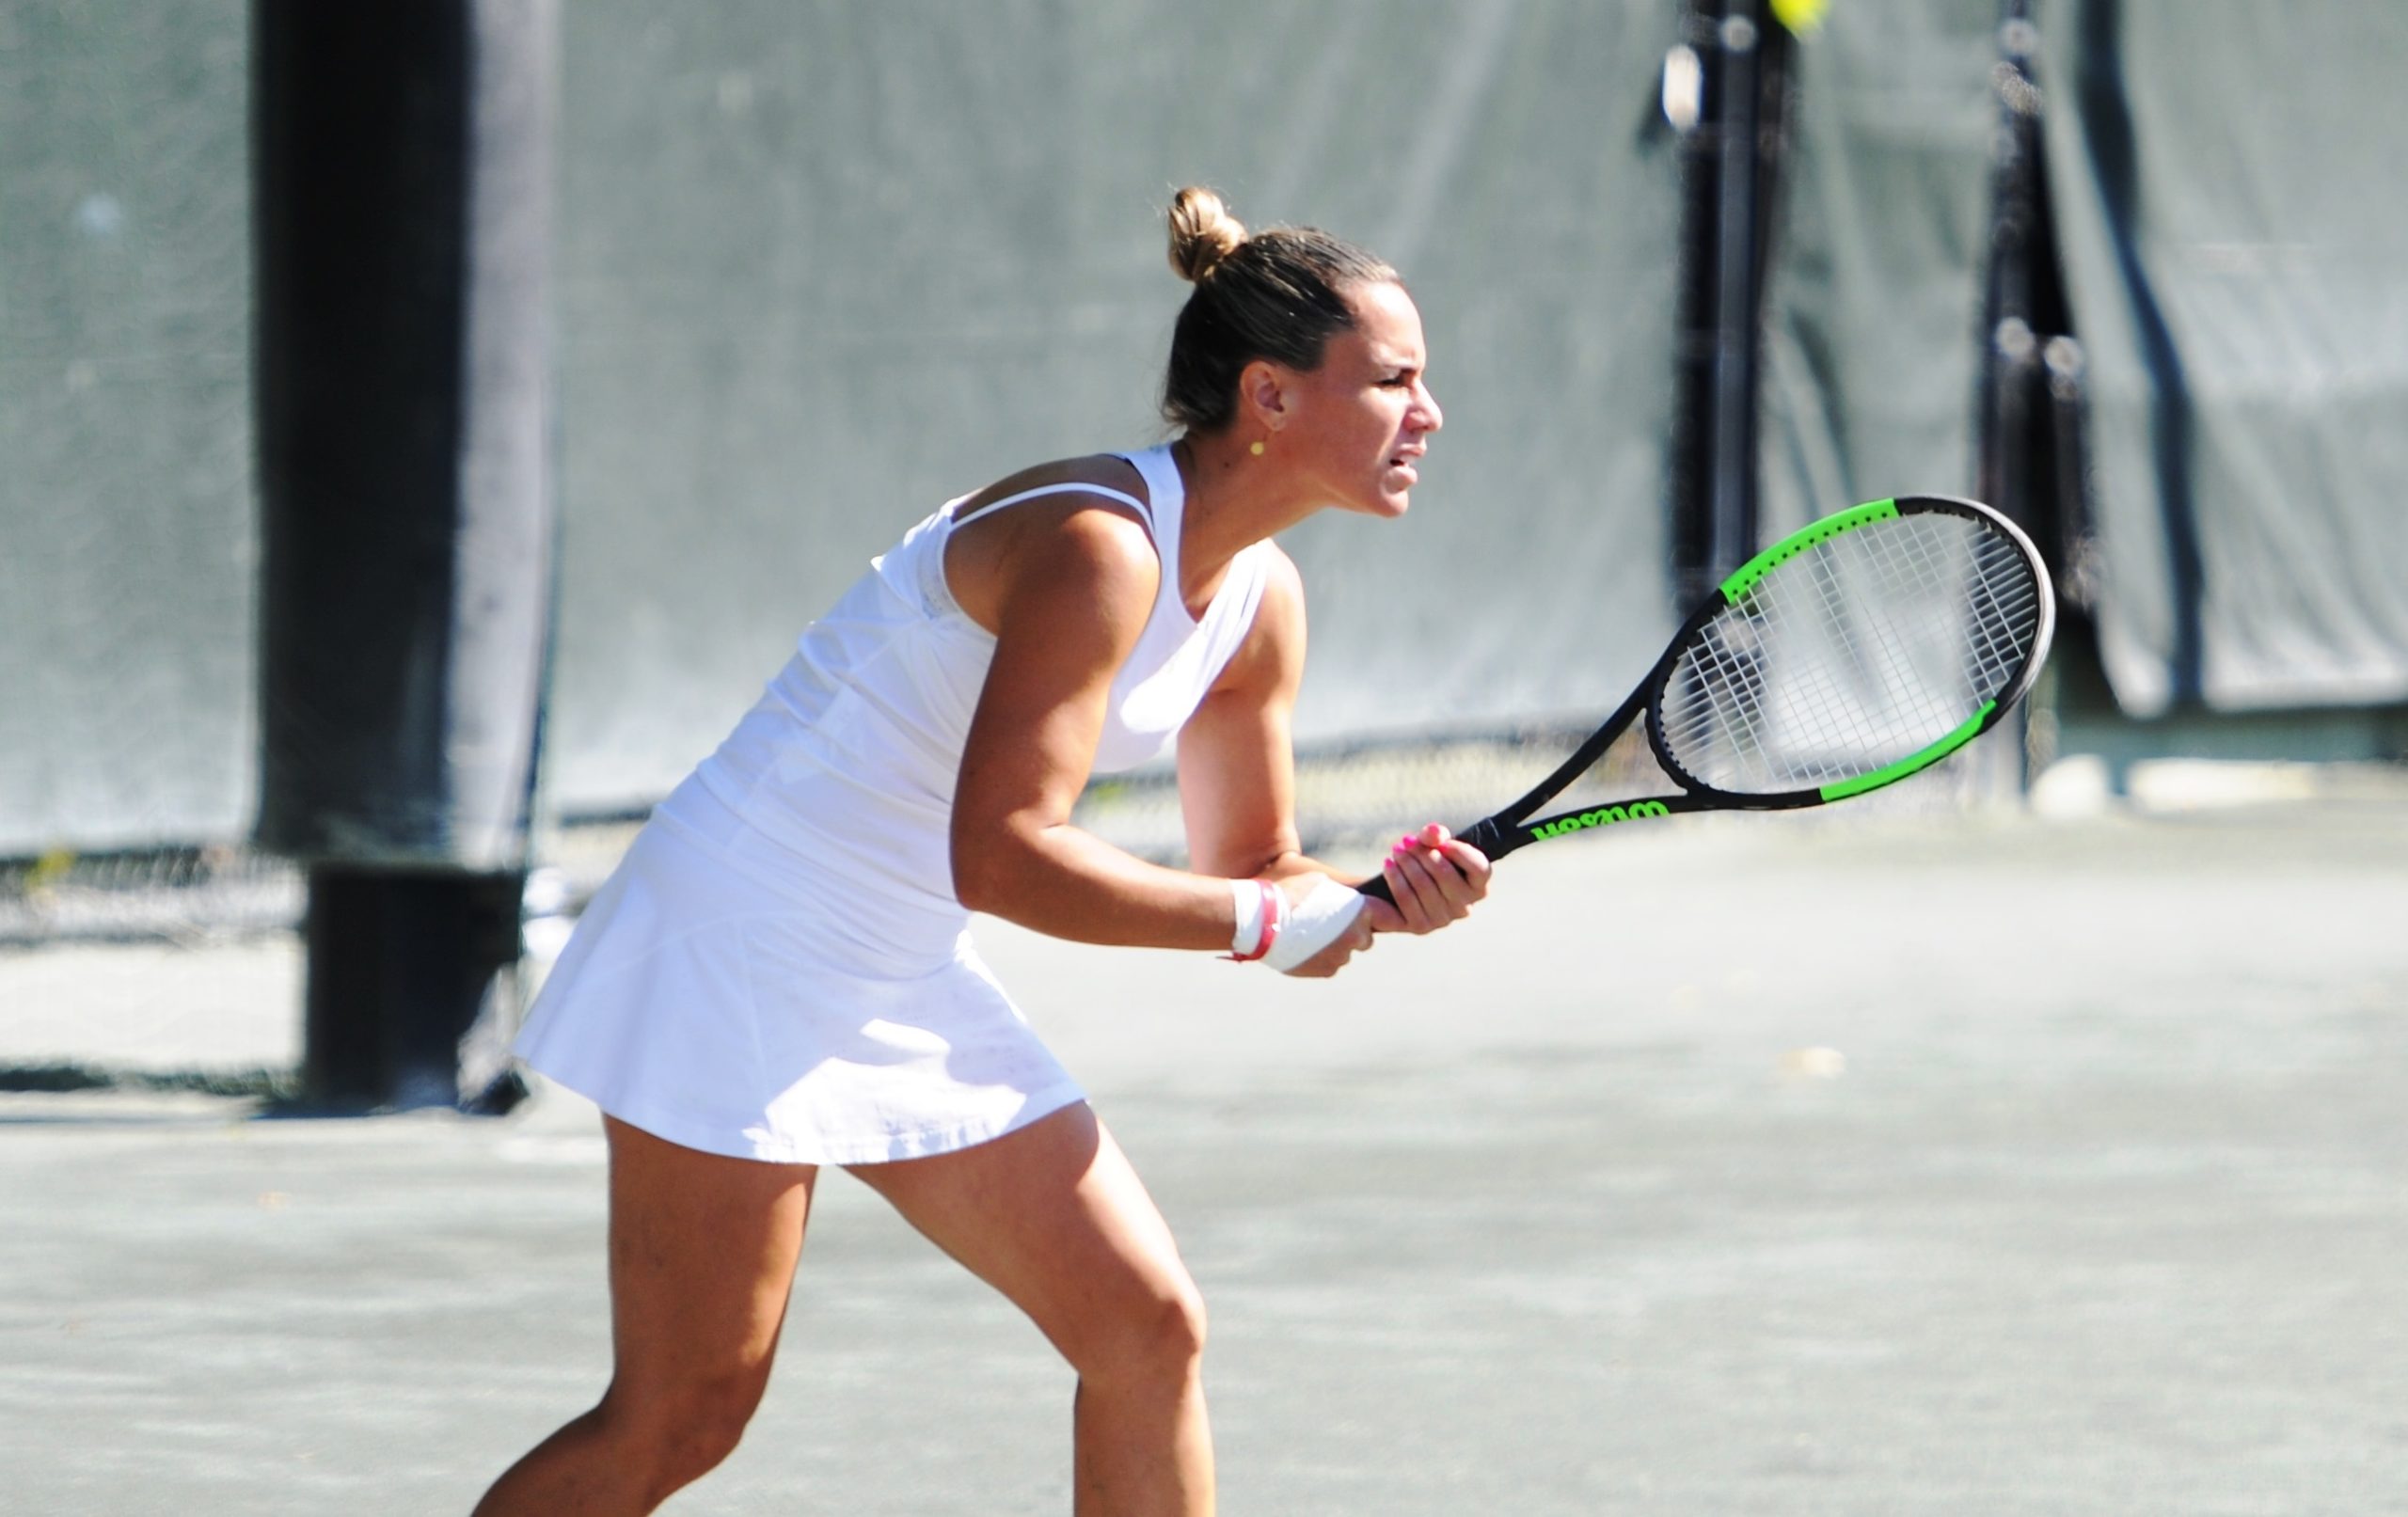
[(778, 969)]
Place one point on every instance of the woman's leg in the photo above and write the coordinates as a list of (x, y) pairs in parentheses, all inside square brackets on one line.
[(703, 1251), (1054, 1217)]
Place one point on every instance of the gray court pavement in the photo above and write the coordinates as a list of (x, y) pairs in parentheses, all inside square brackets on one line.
[(1789, 1166)]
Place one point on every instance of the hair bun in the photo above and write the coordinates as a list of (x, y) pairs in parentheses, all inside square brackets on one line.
[(1202, 233)]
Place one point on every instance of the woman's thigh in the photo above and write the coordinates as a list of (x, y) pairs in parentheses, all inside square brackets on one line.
[(703, 1253), (1053, 1216)]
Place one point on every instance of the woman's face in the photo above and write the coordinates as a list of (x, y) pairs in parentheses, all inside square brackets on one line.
[(1363, 418)]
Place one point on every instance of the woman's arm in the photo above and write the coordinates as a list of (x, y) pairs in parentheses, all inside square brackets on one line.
[(1237, 780), (1067, 602), (1070, 597)]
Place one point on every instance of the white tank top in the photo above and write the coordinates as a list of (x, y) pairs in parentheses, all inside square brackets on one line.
[(850, 755)]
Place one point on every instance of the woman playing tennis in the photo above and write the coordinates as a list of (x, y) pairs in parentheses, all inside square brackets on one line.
[(778, 976)]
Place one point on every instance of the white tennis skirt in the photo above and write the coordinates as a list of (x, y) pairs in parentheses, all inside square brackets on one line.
[(715, 995)]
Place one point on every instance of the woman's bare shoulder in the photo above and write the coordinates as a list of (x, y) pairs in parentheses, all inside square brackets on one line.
[(1109, 470), (1054, 540)]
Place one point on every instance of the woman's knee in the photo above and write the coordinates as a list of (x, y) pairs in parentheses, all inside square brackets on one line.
[(682, 1431), (1155, 1334)]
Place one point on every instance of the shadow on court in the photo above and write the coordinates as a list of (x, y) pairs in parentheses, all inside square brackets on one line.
[(1759, 1166)]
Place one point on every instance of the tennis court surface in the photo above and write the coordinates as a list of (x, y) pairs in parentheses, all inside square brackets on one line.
[(1790, 1166)]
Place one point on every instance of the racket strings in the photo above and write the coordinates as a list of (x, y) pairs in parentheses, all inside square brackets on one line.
[(1853, 657), (1878, 699), (1855, 688)]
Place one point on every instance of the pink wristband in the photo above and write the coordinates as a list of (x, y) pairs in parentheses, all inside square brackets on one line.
[(1274, 916)]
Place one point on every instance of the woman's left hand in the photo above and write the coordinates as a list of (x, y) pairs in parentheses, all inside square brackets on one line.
[(1435, 877)]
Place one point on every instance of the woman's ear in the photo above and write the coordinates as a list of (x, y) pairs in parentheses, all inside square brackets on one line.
[(1266, 396)]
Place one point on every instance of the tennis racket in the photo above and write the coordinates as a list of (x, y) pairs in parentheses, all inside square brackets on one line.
[(1853, 653)]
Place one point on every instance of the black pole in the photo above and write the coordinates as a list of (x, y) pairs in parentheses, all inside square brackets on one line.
[(1739, 314), (2010, 374), (1689, 454), (2031, 408), (2007, 383), (1730, 159), (402, 155), (401, 965)]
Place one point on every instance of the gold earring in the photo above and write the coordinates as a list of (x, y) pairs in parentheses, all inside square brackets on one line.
[(1256, 449)]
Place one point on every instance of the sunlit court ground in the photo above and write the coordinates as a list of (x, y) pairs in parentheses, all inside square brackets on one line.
[(1768, 1165)]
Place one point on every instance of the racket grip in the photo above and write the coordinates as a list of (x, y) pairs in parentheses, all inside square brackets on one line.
[(1485, 834)]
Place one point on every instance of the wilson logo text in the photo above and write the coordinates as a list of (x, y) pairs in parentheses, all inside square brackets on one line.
[(1603, 816)]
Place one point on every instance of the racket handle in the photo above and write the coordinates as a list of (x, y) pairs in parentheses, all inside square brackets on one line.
[(1485, 834), (1494, 842)]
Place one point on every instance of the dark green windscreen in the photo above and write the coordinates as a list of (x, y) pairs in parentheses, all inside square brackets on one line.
[(823, 265), (127, 518), (2267, 236), (826, 265)]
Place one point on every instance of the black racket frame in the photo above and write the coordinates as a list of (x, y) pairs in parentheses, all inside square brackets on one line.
[(1513, 828)]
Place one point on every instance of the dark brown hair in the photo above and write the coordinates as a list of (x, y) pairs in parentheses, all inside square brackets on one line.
[(1277, 295)]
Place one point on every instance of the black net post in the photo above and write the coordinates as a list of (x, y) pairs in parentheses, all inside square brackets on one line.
[(401, 964), (402, 173)]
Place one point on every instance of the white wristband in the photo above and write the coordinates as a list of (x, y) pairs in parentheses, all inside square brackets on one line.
[(1314, 923), (1249, 898)]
